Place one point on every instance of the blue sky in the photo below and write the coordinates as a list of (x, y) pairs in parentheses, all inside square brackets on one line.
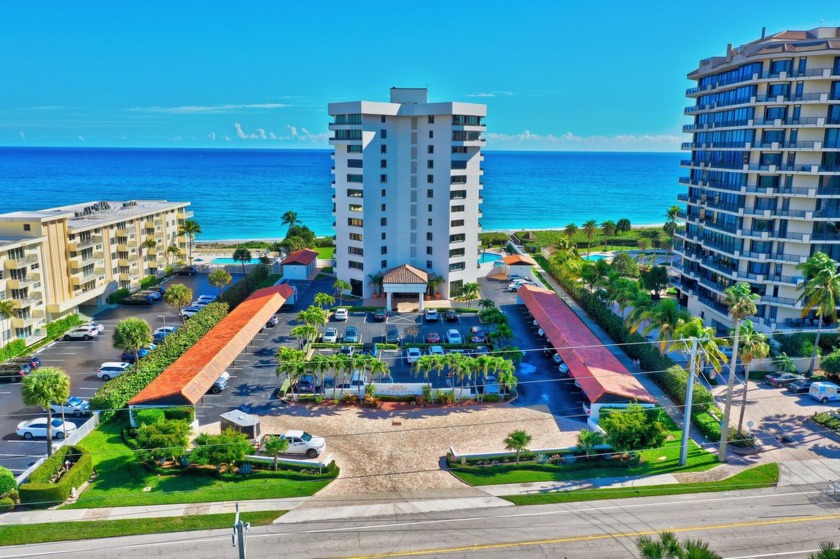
[(587, 75)]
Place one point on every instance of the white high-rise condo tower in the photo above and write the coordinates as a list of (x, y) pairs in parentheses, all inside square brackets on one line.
[(764, 175), (407, 180)]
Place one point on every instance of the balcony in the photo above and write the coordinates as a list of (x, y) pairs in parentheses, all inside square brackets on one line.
[(776, 257), (82, 261), (712, 285), (122, 233), (786, 280), (729, 272), (124, 277), (25, 303), (79, 244), (21, 283), (714, 305), (785, 301), (775, 146), (18, 263), (18, 322), (80, 278), (682, 197), (803, 98)]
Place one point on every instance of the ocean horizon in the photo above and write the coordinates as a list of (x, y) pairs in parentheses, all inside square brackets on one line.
[(239, 194)]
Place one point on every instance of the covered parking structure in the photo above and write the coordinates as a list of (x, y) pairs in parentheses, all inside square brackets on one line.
[(189, 378), (599, 373)]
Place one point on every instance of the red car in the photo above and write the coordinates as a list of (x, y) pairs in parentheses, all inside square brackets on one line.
[(432, 338)]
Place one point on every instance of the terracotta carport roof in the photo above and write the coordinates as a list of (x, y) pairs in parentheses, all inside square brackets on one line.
[(189, 378), (303, 257), (519, 259), (600, 374)]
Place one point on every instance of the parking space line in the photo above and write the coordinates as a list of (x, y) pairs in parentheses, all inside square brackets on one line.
[(88, 388)]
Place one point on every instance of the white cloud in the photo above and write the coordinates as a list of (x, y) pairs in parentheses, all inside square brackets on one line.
[(291, 134), (572, 142), (227, 138), (176, 139), (81, 138), (204, 109), (212, 136), (22, 135), (490, 94)]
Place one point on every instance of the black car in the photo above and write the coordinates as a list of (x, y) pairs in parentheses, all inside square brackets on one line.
[(32, 360), (477, 335), (14, 372), (380, 315), (451, 315), (186, 271), (137, 300), (800, 386), (306, 385), (392, 334)]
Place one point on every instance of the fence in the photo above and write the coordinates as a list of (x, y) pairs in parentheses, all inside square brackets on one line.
[(462, 458), (320, 464), (80, 433)]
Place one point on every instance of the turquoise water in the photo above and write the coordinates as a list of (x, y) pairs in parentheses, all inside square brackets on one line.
[(594, 257), (489, 257), (224, 261)]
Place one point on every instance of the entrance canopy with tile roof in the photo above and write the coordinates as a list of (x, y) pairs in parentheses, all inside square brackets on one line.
[(405, 274), (599, 373), (189, 378)]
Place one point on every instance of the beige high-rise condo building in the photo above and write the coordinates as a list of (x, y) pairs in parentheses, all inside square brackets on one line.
[(764, 174), (53, 261), (407, 193)]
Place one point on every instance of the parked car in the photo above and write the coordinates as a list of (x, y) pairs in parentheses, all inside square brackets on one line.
[(477, 335), (341, 314), (454, 337), (82, 333), (330, 335), (351, 335), (432, 338), (38, 428), (159, 288), (480, 350), (392, 334), (272, 322), (74, 406), (412, 354), (380, 315), (824, 392), (307, 384), (137, 299), (301, 442), (206, 299), (780, 380), (128, 356), (556, 358), (189, 312), (431, 315), (221, 383), (347, 350), (99, 327), (112, 369), (563, 369), (435, 350), (153, 295), (160, 334), (451, 315), (32, 360), (199, 304), (800, 386), (14, 372), (186, 271)]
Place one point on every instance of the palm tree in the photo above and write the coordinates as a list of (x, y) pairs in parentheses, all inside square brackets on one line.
[(665, 316), (643, 243), (340, 286), (178, 295), (41, 388), (324, 300), (500, 335), (131, 334), (289, 363), (641, 303), (422, 367), (742, 303), (708, 344), (190, 228), (608, 227), (289, 218), (753, 346), (828, 550), (7, 311), (486, 304), (469, 293), (149, 244), (275, 445), (669, 547), (320, 365), (589, 229), (342, 365), (378, 369), (588, 440), (820, 294), (570, 230), (304, 333), (243, 256), (172, 252), (219, 278), (517, 440), (671, 215)]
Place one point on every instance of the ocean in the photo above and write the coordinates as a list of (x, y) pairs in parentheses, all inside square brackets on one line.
[(241, 194)]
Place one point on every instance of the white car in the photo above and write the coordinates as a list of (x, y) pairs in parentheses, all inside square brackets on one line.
[(563, 369), (454, 337), (330, 336), (341, 314), (301, 442), (556, 358), (412, 354), (431, 315), (221, 383), (112, 369), (435, 350), (74, 406), (206, 299), (99, 327), (38, 428), (190, 312), (199, 304), (82, 333), (164, 330)]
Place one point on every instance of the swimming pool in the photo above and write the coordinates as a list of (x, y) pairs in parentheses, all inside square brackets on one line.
[(489, 257), (230, 261), (595, 257)]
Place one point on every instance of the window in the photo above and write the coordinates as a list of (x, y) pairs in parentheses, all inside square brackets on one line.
[(383, 179), (456, 223), (27, 227), (348, 119), (355, 207), (459, 149), (383, 236), (354, 222), (355, 236), (383, 222), (353, 135), (459, 180), (355, 265), (352, 193), (455, 288), (431, 134), (428, 264), (429, 208), (430, 193), (383, 133), (456, 252), (382, 208), (430, 164), (354, 149), (429, 222), (459, 238), (383, 163), (430, 149), (383, 149), (458, 195), (354, 178), (428, 236), (466, 120), (459, 165), (382, 119), (383, 250), (354, 163), (456, 209), (777, 89), (356, 250), (383, 263), (457, 266), (430, 179), (429, 251), (431, 119)]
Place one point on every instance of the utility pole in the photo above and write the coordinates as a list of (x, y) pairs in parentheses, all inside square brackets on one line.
[(689, 393), (730, 384), (239, 531)]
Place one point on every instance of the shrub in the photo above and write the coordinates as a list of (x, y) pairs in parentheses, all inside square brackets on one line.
[(116, 393), (831, 363), (58, 327), (7, 481), (181, 413), (708, 425), (162, 440), (40, 492), (6, 504), (117, 296), (322, 242), (240, 291), (148, 416), (633, 428), (229, 448), (149, 281), (12, 349)]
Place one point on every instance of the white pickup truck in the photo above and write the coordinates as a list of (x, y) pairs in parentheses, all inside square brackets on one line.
[(301, 442)]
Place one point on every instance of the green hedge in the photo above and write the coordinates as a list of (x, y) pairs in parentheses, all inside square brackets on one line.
[(181, 413), (116, 393), (238, 292), (39, 492), (7, 481), (708, 425), (60, 326), (117, 296), (6, 504), (12, 349), (150, 281)]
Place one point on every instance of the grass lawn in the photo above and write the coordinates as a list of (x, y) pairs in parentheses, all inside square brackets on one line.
[(663, 460), (766, 475), (84, 530), (325, 253), (121, 479), (548, 238)]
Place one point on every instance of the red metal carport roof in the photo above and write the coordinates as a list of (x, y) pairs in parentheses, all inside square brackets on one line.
[(189, 378), (600, 374)]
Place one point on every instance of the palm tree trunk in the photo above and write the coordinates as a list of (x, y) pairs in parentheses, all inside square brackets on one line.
[(730, 383), (49, 431), (744, 398), (246, 276), (816, 346)]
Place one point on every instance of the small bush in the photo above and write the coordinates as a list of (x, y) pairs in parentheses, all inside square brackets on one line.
[(240, 290), (12, 349), (7, 481), (182, 413), (58, 327), (708, 425), (117, 296), (6, 504), (148, 416), (149, 281)]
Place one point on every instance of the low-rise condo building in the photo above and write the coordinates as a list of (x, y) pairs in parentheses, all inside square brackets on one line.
[(53, 261), (407, 190), (764, 174)]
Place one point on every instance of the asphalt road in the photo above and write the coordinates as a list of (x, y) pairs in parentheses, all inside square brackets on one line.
[(767, 523)]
